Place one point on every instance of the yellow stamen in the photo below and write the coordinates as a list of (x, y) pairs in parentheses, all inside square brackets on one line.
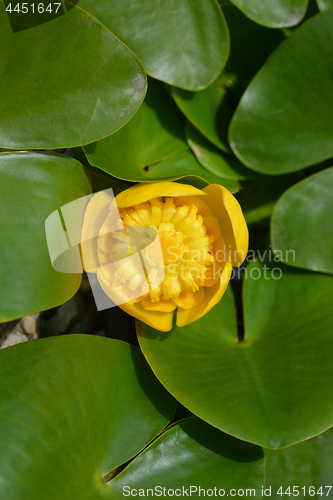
[(178, 264), (187, 300)]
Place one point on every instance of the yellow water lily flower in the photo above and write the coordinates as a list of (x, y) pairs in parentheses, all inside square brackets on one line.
[(202, 234)]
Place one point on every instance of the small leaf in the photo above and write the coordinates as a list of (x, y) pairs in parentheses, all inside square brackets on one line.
[(276, 14), (284, 121), (223, 165), (210, 110), (302, 233)]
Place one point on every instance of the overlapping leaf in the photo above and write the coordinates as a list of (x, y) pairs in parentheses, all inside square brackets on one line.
[(211, 109), (67, 82), (185, 164), (183, 43), (274, 14), (32, 186), (284, 120), (273, 388), (152, 146), (214, 160), (302, 224), (191, 454), (72, 409), (153, 134)]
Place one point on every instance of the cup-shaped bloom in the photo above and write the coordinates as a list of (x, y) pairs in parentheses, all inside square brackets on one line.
[(164, 248)]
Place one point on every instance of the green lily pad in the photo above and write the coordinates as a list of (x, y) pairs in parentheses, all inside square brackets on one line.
[(68, 82), (210, 110), (72, 409), (182, 43), (276, 14), (210, 157), (33, 185), (154, 133), (192, 453), (302, 224), (274, 388), (307, 464), (284, 121)]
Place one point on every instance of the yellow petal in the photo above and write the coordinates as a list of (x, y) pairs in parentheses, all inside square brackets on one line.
[(228, 212), (161, 305), (187, 300), (212, 297), (94, 216), (143, 192), (159, 320), (215, 269)]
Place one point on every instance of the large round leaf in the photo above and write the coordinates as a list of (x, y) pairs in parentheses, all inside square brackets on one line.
[(210, 110), (32, 186), (73, 408), (67, 82), (306, 467), (213, 159), (184, 43), (275, 14), (274, 388), (191, 454), (302, 233), (153, 134), (284, 120)]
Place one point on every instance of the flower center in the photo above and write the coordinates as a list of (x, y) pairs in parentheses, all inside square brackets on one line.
[(186, 231), (171, 245)]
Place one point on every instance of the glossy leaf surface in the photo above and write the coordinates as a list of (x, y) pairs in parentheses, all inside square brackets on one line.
[(192, 453), (183, 43), (86, 405), (72, 83), (284, 120), (274, 14), (32, 186), (210, 110), (274, 388), (307, 464), (302, 222)]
